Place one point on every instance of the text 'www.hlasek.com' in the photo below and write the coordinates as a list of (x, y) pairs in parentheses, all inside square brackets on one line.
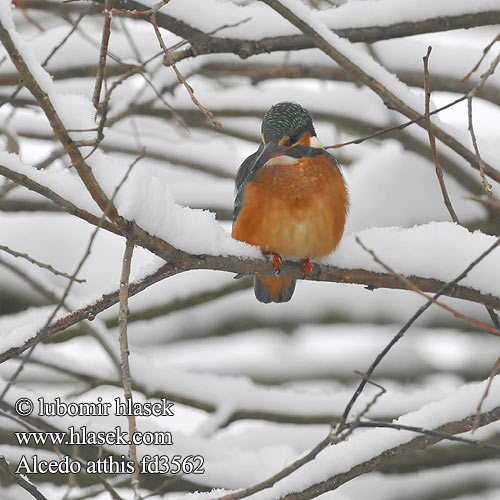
[(98, 453)]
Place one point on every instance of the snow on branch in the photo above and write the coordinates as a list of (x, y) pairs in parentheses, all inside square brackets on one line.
[(264, 32), (53, 104), (394, 94)]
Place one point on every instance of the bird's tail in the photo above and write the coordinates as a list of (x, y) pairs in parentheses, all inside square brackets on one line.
[(272, 289)]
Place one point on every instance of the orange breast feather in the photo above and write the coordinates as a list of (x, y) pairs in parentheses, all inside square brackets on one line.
[(294, 210)]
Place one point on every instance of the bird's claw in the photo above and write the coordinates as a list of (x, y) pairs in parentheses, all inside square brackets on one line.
[(307, 267), (276, 260)]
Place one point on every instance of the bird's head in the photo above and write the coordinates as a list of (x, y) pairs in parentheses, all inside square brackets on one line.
[(287, 124)]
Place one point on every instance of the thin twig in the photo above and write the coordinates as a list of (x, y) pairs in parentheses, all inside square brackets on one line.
[(104, 106), (432, 139), (428, 432), (66, 205), (479, 85), (494, 371), (412, 286), (181, 79), (20, 480), (162, 99), (487, 186), (42, 332), (106, 32), (445, 288), (28, 278), (124, 355), (396, 127), (485, 51), (38, 263), (45, 103), (140, 13), (74, 27), (390, 99), (470, 95)]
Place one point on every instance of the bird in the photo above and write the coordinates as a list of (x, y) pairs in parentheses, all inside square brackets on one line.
[(291, 198)]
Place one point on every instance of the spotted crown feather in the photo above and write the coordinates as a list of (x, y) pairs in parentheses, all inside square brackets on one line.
[(285, 119)]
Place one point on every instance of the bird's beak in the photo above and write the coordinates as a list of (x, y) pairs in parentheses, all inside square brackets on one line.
[(269, 150)]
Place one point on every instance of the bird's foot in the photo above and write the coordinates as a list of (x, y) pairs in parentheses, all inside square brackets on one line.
[(276, 260), (307, 266)]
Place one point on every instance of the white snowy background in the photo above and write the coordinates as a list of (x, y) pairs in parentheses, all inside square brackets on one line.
[(278, 373)]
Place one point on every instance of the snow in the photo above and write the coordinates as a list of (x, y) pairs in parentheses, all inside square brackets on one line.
[(264, 22), (72, 110), (147, 199), (387, 12), (18, 328), (367, 444), (422, 251), (62, 181), (234, 353)]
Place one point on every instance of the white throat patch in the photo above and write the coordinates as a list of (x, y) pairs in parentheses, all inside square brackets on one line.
[(315, 143), (281, 160)]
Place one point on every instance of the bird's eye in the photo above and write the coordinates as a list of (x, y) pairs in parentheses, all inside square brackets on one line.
[(293, 139)]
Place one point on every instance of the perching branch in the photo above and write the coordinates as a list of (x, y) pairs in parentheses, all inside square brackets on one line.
[(180, 261)]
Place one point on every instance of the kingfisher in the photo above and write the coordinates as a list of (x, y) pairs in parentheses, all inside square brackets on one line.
[(291, 198)]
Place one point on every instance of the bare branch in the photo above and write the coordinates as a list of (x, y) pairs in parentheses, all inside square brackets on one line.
[(53, 270), (66, 205), (62, 134), (258, 72), (486, 184), (429, 432), (485, 52), (106, 32), (494, 371), (389, 98), (91, 310), (371, 464), (20, 480), (442, 291), (124, 354), (412, 286), (432, 140), (181, 79), (203, 44)]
